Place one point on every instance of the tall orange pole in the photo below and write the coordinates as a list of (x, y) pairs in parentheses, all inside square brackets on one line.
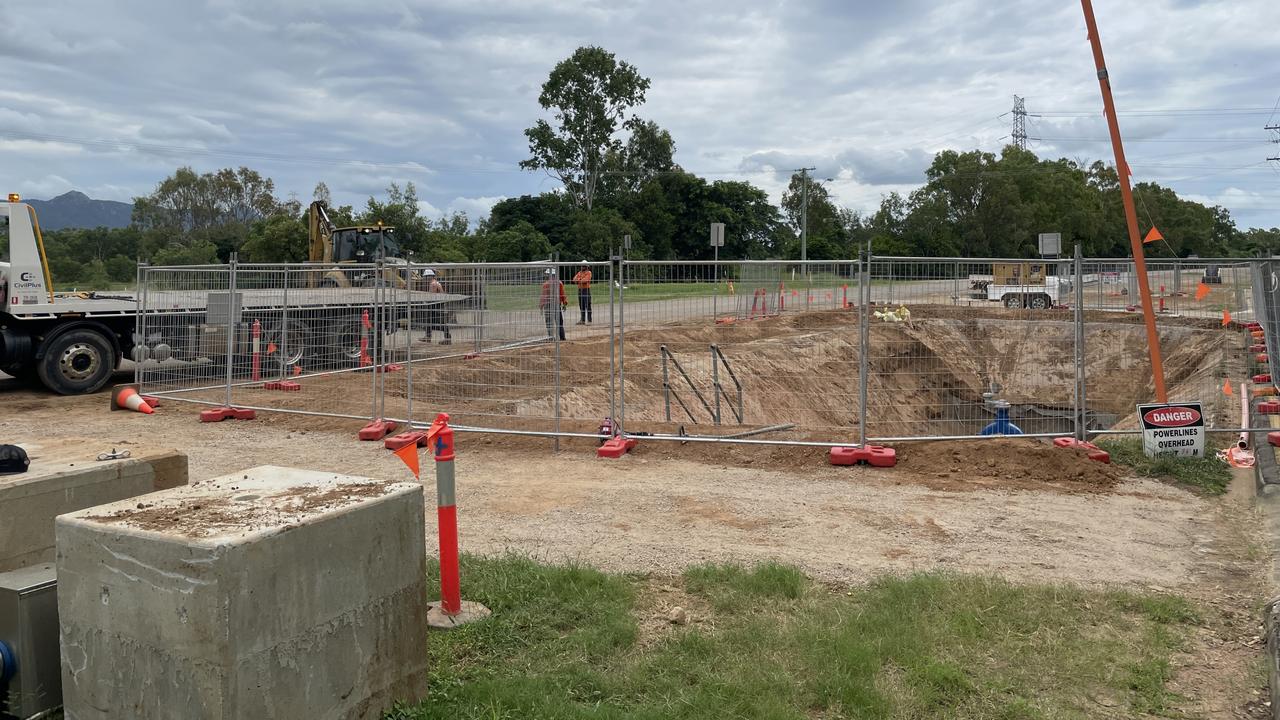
[(1130, 213)]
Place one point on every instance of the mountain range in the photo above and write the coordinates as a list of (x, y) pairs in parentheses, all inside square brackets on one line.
[(74, 209)]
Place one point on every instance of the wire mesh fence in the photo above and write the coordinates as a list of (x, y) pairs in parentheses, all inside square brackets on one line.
[(781, 351)]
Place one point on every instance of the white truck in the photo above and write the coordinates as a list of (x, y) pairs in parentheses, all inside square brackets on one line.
[(72, 343), (1020, 285)]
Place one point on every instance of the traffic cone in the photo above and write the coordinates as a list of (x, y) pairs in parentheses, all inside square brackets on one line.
[(127, 398)]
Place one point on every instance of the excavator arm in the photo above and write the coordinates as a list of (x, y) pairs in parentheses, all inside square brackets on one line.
[(320, 229)]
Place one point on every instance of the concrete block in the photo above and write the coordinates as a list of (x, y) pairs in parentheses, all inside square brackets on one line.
[(65, 476), (270, 593)]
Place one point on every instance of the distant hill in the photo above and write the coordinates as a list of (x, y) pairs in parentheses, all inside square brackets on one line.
[(77, 210)]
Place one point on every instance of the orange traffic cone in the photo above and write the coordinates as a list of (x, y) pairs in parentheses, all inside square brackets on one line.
[(127, 398)]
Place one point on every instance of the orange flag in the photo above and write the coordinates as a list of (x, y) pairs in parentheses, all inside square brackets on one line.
[(409, 456), (271, 348), (1226, 318), (1226, 388), (1202, 291), (1152, 235)]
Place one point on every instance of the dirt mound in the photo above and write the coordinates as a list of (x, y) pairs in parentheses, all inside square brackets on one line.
[(1016, 463)]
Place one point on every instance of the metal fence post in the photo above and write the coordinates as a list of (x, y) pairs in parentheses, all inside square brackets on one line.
[(1081, 422), (231, 321), (613, 359), (558, 328), (140, 335), (864, 313), (622, 347), (408, 344), (284, 326)]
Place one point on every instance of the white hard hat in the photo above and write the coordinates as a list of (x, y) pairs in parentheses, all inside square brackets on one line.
[(548, 271), (428, 273)]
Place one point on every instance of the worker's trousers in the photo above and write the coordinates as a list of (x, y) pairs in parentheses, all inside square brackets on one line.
[(555, 321), (584, 304)]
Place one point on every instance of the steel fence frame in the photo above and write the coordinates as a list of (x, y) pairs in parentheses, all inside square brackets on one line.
[(501, 317)]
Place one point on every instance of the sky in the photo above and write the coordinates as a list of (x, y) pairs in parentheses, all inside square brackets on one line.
[(109, 98)]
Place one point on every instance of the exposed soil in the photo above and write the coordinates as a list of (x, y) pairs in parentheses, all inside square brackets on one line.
[(1030, 464)]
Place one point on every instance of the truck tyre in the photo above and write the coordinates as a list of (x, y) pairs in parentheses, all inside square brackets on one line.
[(77, 362), (1012, 301), (1038, 302)]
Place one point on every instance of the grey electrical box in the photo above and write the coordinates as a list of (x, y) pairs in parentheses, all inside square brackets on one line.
[(31, 679)]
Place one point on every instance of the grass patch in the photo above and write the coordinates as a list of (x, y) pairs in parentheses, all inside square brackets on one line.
[(563, 644), (1209, 475)]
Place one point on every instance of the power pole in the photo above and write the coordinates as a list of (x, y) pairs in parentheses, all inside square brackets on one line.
[(804, 213), (1019, 123), (1276, 130)]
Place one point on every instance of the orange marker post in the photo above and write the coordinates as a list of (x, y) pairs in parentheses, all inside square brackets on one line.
[(1126, 195)]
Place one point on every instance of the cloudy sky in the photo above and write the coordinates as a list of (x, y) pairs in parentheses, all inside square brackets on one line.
[(108, 98)]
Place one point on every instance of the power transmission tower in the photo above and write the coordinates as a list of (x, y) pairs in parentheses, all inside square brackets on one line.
[(804, 214), (1019, 123), (1275, 130)]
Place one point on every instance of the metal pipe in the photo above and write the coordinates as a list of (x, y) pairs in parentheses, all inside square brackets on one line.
[(715, 382), (666, 382), (758, 431)]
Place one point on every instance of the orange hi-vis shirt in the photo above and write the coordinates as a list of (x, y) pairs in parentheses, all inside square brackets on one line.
[(583, 279), (545, 297)]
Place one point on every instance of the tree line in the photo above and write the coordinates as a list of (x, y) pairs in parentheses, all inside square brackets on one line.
[(619, 177)]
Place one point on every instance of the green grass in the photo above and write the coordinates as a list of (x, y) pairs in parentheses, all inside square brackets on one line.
[(1209, 475), (767, 642), (525, 297)]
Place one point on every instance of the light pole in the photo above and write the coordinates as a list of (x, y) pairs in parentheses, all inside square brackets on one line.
[(804, 216)]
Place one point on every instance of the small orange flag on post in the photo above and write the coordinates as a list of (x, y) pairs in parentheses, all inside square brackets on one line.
[(1202, 291), (409, 456), (1152, 235), (1226, 318), (1226, 388), (271, 348)]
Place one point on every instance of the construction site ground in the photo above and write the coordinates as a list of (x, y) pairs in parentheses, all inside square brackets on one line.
[(1016, 508)]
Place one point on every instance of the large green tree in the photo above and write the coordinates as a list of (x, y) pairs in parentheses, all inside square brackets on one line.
[(590, 95)]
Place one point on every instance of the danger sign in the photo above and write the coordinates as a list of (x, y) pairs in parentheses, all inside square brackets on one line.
[(1172, 429)]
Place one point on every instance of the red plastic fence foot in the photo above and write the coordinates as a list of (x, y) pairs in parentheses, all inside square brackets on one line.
[(283, 385), (615, 447), (390, 367), (1269, 407), (873, 455), (151, 400), (1273, 438), (1263, 378), (1253, 325), (410, 437), (376, 430), (1093, 452), (226, 413)]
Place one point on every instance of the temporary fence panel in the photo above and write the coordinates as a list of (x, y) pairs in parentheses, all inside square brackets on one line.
[(938, 347), (963, 348), (709, 345)]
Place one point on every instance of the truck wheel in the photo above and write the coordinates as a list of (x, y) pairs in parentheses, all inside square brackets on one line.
[(77, 362), (1012, 301), (1038, 302)]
